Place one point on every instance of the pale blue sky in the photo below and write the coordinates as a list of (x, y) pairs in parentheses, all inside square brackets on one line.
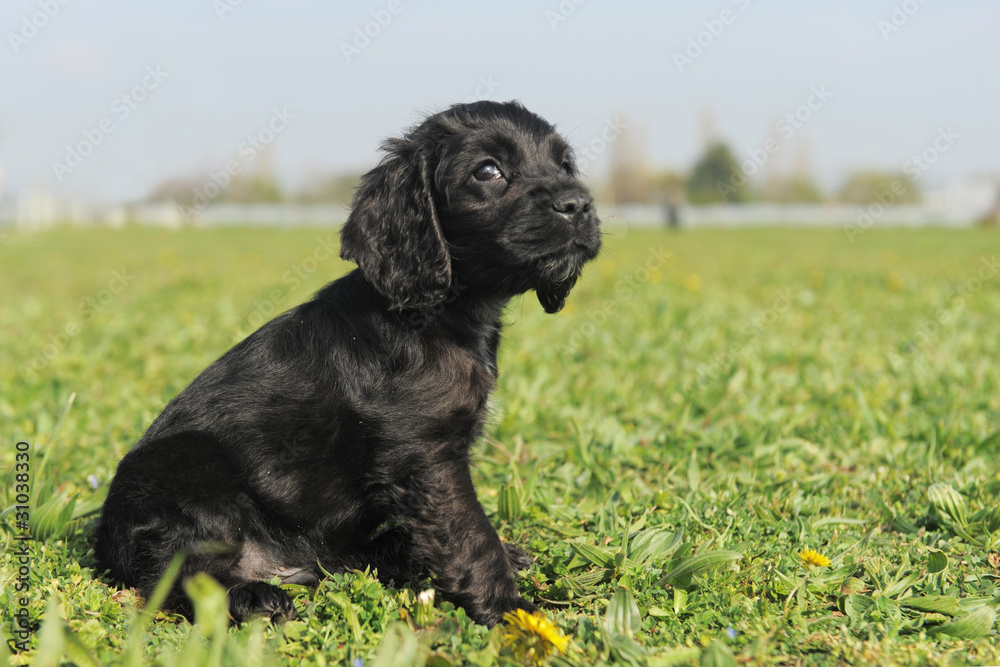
[(223, 77)]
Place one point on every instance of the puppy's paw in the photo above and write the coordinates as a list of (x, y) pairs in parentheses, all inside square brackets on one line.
[(518, 558), (259, 598), (527, 606), (490, 617)]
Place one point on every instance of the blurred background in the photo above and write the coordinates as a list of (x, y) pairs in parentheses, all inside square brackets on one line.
[(732, 112), (758, 386)]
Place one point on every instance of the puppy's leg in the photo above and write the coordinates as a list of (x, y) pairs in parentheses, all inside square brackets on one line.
[(518, 557), (391, 555), (246, 597), (237, 567), (160, 504), (454, 539)]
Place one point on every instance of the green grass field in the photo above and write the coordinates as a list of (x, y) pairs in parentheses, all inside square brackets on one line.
[(709, 405)]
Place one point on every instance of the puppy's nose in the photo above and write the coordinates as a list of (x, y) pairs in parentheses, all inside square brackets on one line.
[(572, 206)]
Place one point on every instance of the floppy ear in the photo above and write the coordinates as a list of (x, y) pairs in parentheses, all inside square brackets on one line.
[(393, 233)]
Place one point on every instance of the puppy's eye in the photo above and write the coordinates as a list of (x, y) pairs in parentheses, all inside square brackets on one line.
[(567, 166), (487, 172)]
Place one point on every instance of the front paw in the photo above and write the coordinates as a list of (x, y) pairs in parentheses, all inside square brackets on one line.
[(259, 598), (490, 617), (518, 558)]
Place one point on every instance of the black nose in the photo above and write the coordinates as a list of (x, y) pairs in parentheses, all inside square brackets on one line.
[(572, 206)]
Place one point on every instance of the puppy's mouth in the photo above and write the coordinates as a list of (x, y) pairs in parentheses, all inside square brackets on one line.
[(552, 295), (558, 274)]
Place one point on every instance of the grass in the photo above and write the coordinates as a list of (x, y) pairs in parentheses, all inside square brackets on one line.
[(709, 406)]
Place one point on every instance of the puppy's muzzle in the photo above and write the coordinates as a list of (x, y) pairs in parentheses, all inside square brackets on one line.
[(573, 207)]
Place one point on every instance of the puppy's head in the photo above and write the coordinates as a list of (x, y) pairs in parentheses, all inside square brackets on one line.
[(481, 197)]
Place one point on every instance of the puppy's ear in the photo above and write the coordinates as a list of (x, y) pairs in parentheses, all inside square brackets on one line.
[(393, 233)]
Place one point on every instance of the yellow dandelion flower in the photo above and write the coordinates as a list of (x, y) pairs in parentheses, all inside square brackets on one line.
[(894, 281), (816, 278), (813, 559), (692, 283), (532, 637)]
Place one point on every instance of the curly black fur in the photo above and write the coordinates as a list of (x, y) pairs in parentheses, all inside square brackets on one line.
[(339, 434)]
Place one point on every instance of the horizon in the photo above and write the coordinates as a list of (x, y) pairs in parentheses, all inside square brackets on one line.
[(178, 92)]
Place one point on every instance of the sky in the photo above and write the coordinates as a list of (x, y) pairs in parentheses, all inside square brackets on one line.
[(104, 99)]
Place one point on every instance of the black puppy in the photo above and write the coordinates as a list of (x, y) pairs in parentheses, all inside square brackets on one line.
[(339, 434)]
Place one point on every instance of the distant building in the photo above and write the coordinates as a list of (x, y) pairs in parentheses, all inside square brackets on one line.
[(35, 208), (973, 198)]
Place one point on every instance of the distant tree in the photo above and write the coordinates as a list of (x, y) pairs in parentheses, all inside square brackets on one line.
[(337, 189), (870, 186), (256, 185), (198, 191), (716, 177), (180, 190), (803, 190), (668, 186), (629, 184), (629, 181), (798, 187), (794, 190), (252, 188)]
